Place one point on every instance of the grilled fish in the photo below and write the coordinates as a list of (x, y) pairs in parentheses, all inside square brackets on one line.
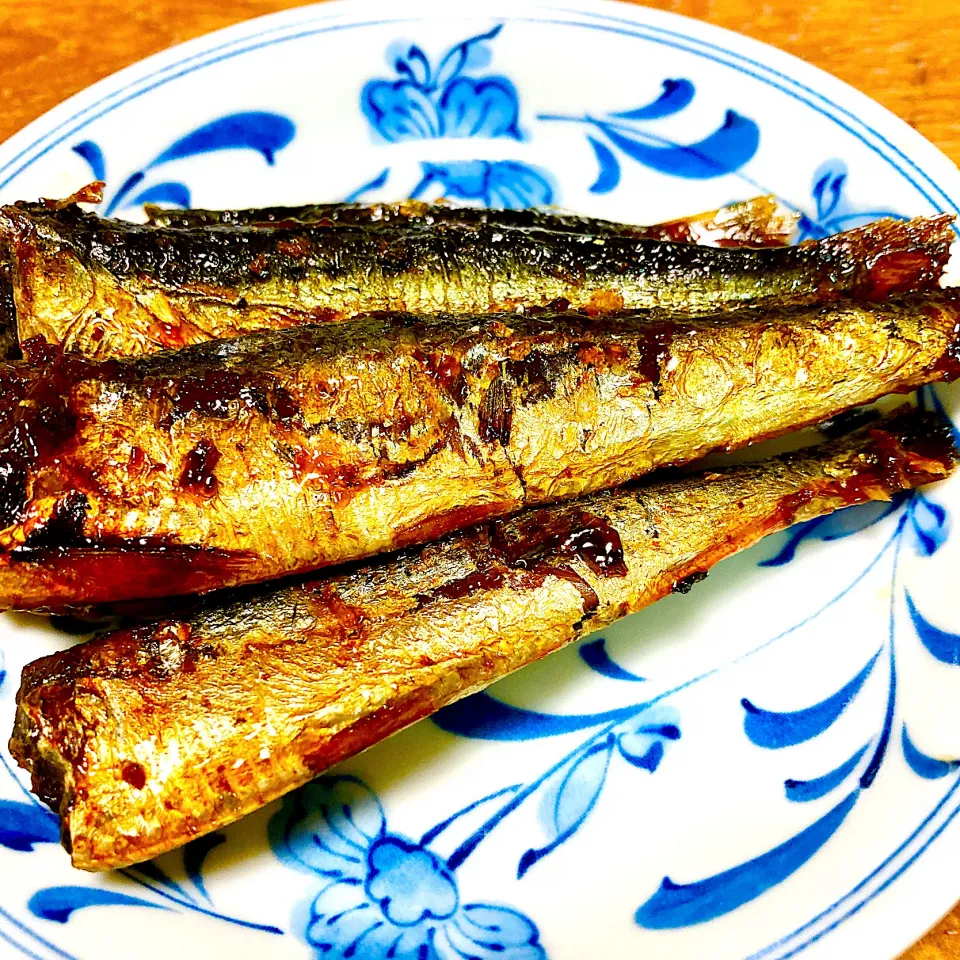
[(759, 222), (107, 288), (146, 738), (281, 452)]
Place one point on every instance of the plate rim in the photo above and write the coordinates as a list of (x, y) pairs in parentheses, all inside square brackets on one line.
[(155, 67), (28, 144)]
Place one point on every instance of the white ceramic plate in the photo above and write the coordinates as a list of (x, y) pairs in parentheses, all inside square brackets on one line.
[(788, 761)]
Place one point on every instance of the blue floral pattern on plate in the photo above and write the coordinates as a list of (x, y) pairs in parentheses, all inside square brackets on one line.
[(265, 133), (378, 892), (385, 896), (430, 101)]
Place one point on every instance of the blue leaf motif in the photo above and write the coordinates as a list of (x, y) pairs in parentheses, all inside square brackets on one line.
[(576, 797), (724, 151), (594, 655), (923, 765), (581, 787), (803, 791), (929, 522), (134, 180), (92, 153), (24, 824), (676, 96), (149, 870), (194, 855), (483, 717), (828, 187), (772, 730), (416, 66), (836, 526), (833, 211), (171, 191), (58, 903), (375, 184), (681, 905), (941, 644), (255, 130), (468, 53), (649, 760), (608, 175), (643, 747), (727, 149)]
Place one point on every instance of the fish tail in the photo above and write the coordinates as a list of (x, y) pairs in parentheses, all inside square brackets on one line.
[(912, 448), (890, 257)]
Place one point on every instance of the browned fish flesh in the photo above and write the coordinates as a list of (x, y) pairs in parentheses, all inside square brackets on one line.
[(758, 222), (146, 738), (282, 452), (107, 288)]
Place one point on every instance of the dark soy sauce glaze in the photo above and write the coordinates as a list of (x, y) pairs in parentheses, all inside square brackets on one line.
[(197, 475), (529, 549)]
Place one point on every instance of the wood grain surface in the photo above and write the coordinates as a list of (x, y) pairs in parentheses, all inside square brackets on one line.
[(903, 53)]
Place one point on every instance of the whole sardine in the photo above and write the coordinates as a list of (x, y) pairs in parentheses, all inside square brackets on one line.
[(108, 288), (759, 222), (278, 453), (146, 738)]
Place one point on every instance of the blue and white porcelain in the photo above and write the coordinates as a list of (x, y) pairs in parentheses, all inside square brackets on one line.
[(766, 768)]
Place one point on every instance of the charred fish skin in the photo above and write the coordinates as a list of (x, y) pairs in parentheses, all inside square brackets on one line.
[(758, 222), (146, 738), (283, 452), (106, 288), (9, 344)]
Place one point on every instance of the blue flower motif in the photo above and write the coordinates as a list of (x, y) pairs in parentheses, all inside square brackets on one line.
[(409, 882), (387, 896), (502, 183), (427, 103)]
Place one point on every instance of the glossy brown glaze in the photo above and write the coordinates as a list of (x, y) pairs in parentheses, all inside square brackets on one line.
[(279, 453), (109, 288), (144, 739)]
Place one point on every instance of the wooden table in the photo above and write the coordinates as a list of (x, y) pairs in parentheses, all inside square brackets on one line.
[(904, 53)]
